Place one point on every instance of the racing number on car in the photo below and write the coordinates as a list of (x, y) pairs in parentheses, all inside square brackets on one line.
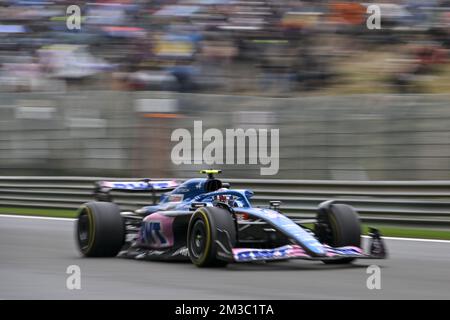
[(153, 233)]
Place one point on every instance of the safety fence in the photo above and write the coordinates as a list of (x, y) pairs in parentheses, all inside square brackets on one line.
[(111, 133)]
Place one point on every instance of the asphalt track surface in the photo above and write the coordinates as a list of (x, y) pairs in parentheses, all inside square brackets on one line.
[(35, 254)]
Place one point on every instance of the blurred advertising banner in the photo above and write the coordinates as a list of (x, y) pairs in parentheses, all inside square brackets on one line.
[(111, 133)]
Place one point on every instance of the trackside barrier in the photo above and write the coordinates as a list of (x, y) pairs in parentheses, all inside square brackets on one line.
[(425, 203)]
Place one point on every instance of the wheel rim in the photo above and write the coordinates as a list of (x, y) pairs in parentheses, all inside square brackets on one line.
[(323, 232), (83, 230), (198, 239)]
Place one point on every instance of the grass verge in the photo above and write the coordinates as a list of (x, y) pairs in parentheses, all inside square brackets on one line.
[(406, 232), (57, 213)]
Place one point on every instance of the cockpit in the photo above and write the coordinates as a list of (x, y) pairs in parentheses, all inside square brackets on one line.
[(194, 187)]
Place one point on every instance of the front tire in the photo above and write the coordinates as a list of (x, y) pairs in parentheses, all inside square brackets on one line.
[(100, 230), (338, 227), (206, 227)]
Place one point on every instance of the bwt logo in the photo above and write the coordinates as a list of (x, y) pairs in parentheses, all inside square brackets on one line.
[(189, 149), (152, 231)]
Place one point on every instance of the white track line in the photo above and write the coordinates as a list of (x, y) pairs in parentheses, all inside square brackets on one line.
[(71, 219), (35, 217), (414, 239)]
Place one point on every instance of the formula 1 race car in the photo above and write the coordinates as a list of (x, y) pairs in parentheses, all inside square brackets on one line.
[(212, 225)]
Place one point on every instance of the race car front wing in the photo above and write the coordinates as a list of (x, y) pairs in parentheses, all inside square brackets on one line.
[(376, 250)]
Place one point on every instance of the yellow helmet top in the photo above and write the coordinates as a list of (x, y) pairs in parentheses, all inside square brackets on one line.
[(210, 171)]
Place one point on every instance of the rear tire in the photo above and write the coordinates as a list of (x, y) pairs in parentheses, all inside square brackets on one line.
[(205, 228), (100, 230), (338, 227)]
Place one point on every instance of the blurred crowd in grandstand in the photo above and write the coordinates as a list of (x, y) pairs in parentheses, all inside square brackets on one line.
[(265, 47)]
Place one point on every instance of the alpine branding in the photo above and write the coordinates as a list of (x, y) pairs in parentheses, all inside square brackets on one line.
[(261, 254)]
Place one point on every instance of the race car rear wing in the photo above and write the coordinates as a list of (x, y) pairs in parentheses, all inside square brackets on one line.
[(103, 188)]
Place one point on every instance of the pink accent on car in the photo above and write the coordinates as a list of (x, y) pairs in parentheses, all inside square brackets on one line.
[(331, 252), (156, 231), (291, 251)]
